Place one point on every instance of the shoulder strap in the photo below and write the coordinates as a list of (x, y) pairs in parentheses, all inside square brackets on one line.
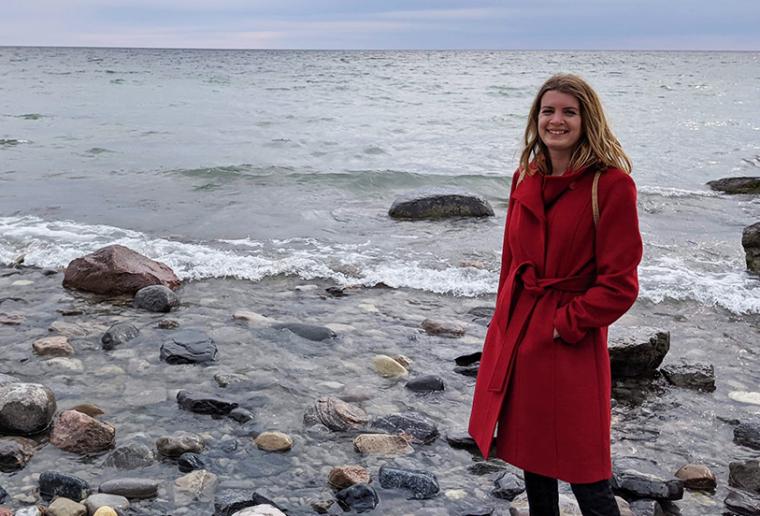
[(595, 197)]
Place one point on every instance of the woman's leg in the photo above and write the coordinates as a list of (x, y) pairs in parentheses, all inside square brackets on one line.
[(596, 499), (543, 498)]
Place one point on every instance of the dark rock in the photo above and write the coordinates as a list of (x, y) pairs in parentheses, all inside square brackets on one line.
[(156, 298), (168, 324), (646, 508), (204, 403), (700, 377), (736, 185), (507, 486), (631, 356), (742, 503), (4, 496), (188, 347), (178, 443), (751, 244), (697, 477), (115, 270), (130, 456), (482, 314), (476, 511), (229, 501), (307, 331), (118, 334), (470, 370), (241, 415), (335, 414), (461, 440), (54, 484), (636, 484), (418, 426), (422, 484), (188, 462), (469, 359), (488, 467), (15, 452), (131, 488), (439, 203), (745, 475), (427, 383), (25, 408), (341, 477), (747, 434), (336, 291), (358, 497)]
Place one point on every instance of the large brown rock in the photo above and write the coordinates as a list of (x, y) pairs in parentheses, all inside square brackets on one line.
[(116, 269), (76, 432)]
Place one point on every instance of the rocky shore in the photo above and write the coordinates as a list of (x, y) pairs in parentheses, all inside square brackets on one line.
[(235, 398)]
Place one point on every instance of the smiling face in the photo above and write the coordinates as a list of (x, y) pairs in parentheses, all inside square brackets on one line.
[(559, 122)]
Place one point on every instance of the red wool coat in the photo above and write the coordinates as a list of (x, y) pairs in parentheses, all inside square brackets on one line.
[(551, 397)]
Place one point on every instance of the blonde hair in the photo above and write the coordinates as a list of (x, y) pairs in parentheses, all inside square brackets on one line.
[(597, 144)]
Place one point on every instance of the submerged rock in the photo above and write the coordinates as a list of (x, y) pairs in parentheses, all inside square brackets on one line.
[(274, 441), (421, 484), (65, 507), (178, 443), (341, 477), (190, 461), (637, 484), (388, 367), (426, 383), (118, 334), (15, 453), (736, 185), (76, 432), (263, 509), (442, 328), (131, 487), (697, 476), (156, 298), (632, 356), (508, 486), (188, 347), (439, 203), (115, 270), (25, 408), (204, 403), (700, 377), (743, 503), (98, 500), (54, 484), (335, 414), (382, 444), (196, 486), (130, 456), (461, 440), (229, 501), (57, 346), (751, 244), (307, 331), (747, 434), (419, 427), (745, 475), (358, 497)]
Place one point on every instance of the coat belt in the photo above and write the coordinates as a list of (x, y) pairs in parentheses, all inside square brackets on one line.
[(536, 287)]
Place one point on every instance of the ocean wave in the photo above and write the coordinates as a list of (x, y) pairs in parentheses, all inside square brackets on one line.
[(664, 191)]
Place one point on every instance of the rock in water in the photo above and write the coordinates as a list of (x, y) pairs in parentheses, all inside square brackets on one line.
[(442, 328), (422, 484), (341, 477), (263, 509), (439, 203), (57, 346), (156, 298), (229, 501), (25, 408), (189, 461), (118, 334), (427, 383), (747, 434), (422, 429), (736, 185), (98, 500), (195, 486), (178, 443), (508, 486), (65, 507), (745, 475), (335, 414), (130, 456), (133, 487), (743, 503), (698, 477), (382, 444), (54, 484), (700, 377), (631, 356), (751, 244), (388, 367), (188, 347), (115, 270), (76, 432), (204, 404), (636, 484), (15, 452), (359, 498), (307, 331), (274, 441)]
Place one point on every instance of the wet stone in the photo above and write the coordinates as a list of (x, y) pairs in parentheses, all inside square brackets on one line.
[(118, 334), (3, 495), (29, 511), (54, 484), (240, 415), (436, 203), (468, 359), (189, 461), (481, 468), (461, 440), (98, 500), (388, 367), (229, 501), (15, 452), (421, 484), (646, 508), (57, 346), (76, 432), (632, 355), (132, 487), (335, 414), (106, 511), (260, 510), (156, 298), (66, 507), (25, 408), (359, 498), (697, 477), (204, 403), (422, 429), (635, 484), (736, 185), (130, 456), (188, 347), (167, 324), (178, 443), (747, 434), (427, 383), (90, 409), (196, 486), (700, 377), (382, 444), (307, 331), (274, 441), (442, 328), (745, 475), (341, 477), (508, 486), (743, 503), (470, 370)]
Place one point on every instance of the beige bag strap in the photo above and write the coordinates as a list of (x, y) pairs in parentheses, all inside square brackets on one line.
[(595, 197), (520, 177)]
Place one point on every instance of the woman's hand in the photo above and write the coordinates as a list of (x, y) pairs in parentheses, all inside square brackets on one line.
[(556, 334)]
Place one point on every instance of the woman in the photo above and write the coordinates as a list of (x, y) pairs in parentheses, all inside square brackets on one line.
[(571, 248)]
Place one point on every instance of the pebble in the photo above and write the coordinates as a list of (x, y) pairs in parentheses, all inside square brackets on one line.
[(178, 443), (426, 383), (745, 475), (508, 486), (274, 441), (65, 507), (382, 444), (105, 511), (442, 329), (131, 487), (15, 452), (335, 414), (260, 510), (57, 346), (95, 501), (156, 298), (196, 486), (388, 367), (54, 484), (72, 365), (118, 334), (422, 484), (307, 331), (204, 403), (253, 319), (130, 456), (189, 461), (341, 477), (11, 319), (188, 347), (358, 497), (420, 428)]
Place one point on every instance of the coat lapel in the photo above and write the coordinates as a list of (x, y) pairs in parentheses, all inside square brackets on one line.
[(531, 222)]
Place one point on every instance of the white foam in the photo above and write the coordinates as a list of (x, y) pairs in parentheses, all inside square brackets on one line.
[(664, 191)]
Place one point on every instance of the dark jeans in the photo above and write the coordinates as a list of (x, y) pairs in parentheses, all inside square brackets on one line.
[(594, 499)]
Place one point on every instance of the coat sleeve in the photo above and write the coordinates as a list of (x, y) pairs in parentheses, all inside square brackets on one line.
[(506, 252), (618, 251)]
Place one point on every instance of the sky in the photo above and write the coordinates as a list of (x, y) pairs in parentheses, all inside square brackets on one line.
[(385, 24)]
